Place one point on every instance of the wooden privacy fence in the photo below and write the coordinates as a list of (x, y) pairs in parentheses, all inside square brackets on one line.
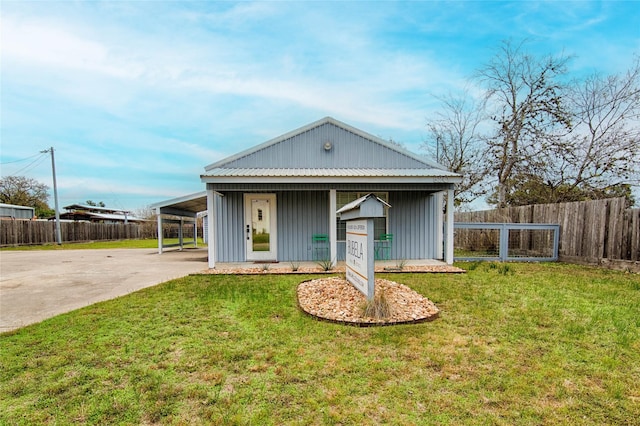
[(32, 232), (26, 232), (593, 232)]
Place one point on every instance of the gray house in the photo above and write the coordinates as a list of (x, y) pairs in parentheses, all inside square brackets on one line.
[(278, 200)]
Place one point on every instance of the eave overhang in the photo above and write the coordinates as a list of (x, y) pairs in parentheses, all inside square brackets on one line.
[(324, 176)]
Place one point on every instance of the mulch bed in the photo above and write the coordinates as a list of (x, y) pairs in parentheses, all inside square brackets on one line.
[(335, 299)]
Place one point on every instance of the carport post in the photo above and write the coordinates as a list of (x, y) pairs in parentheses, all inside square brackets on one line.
[(159, 216), (195, 232), (211, 222)]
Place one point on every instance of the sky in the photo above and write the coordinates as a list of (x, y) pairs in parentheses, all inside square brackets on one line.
[(137, 97)]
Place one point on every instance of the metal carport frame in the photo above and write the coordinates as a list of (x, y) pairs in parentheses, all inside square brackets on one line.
[(183, 207)]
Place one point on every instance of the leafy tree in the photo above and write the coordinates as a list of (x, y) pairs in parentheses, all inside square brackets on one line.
[(455, 142), (524, 95), (94, 204), (23, 191)]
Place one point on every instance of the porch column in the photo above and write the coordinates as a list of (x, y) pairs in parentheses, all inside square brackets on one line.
[(159, 217), (448, 249), (333, 228), (439, 198), (211, 224)]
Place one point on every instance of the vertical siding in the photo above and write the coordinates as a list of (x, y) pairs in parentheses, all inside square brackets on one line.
[(307, 150), (300, 215), (230, 221), (413, 223)]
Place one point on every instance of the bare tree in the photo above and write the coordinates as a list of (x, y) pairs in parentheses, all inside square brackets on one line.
[(454, 141), (524, 94), (603, 149)]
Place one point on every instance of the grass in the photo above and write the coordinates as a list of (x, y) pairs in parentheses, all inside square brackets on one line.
[(119, 244), (531, 344)]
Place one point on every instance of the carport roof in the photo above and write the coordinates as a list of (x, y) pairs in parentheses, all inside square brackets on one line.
[(189, 205)]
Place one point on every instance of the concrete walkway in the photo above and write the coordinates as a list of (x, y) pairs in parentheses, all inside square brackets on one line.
[(36, 285)]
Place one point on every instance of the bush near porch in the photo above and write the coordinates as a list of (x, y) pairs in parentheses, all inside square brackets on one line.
[(515, 344)]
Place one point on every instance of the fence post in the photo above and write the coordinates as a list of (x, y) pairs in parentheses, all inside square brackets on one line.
[(504, 242)]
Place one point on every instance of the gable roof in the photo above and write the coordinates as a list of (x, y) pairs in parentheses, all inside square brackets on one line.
[(326, 130), (326, 149)]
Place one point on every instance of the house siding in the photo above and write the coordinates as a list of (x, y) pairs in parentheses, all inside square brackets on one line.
[(229, 225), (306, 150), (300, 214), (411, 221)]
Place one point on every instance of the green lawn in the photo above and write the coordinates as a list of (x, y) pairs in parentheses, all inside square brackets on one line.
[(514, 344)]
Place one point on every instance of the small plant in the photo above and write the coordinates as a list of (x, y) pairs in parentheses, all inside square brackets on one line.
[(266, 267), (378, 307), (471, 266), (325, 264), (506, 269), (295, 266), (401, 263)]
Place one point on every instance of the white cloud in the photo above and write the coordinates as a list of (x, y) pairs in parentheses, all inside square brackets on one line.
[(45, 43)]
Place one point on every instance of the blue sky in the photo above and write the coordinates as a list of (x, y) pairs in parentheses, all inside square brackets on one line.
[(136, 97)]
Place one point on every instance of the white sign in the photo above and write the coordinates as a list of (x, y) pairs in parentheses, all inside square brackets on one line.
[(357, 256)]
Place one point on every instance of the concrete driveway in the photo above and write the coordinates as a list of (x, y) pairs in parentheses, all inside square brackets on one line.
[(36, 285)]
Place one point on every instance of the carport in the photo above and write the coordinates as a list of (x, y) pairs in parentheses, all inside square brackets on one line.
[(180, 211)]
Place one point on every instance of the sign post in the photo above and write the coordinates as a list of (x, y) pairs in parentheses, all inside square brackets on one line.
[(360, 251)]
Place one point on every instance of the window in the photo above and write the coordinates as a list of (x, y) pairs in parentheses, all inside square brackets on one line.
[(259, 215), (379, 223)]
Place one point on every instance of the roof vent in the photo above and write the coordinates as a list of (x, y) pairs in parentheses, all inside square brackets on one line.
[(327, 146)]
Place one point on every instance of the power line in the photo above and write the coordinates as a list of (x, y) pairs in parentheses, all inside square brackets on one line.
[(20, 160), (31, 165)]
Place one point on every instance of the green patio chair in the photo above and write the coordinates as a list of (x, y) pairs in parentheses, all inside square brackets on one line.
[(382, 249), (320, 246)]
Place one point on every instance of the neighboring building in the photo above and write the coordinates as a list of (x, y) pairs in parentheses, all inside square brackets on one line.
[(11, 211), (271, 202), (80, 212)]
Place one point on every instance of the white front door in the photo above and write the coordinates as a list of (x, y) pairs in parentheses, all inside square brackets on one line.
[(260, 223)]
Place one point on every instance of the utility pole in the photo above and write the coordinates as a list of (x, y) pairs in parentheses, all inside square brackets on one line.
[(55, 196)]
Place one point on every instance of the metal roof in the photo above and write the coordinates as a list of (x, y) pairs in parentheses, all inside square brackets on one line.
[(193, 203), (96, 209), (321, 172), (352, 205), (101, 216), (15, 206)]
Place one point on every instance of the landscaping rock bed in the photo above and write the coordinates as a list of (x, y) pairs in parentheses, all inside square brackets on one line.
[(284, 268), (335, 299)]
